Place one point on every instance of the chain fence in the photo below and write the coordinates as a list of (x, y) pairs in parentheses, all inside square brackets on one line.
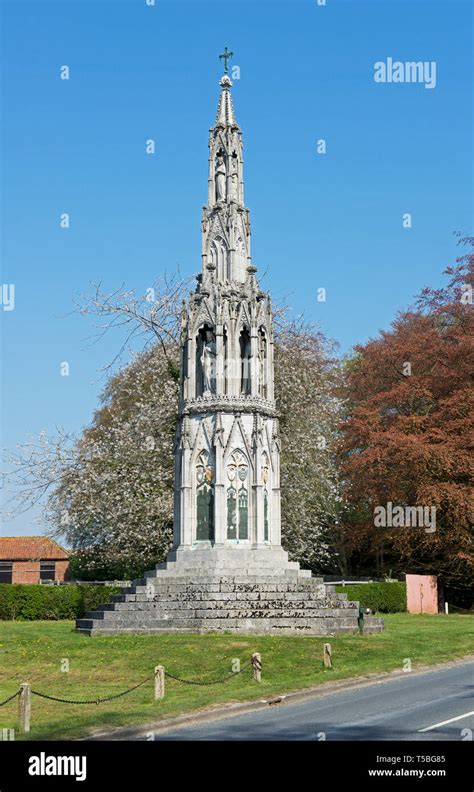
[(10, 698), (90, 701), (101, 700), (214, 681)]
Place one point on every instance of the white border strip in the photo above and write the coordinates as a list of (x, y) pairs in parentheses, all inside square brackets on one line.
[(443, 723)]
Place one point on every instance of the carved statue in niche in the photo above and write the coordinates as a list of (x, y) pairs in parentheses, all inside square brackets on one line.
[(221, 176), (205, 361), (234, 177), (245, 358), (227, 373), (208, 359), (262, 354)]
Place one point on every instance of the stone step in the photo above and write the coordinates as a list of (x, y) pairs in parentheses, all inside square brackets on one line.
[(261, 604), (373, 624), (178, 610), (217, 599), (276, 626), (183, 598), (240, 612), (206, 571), (283, 584), (84, 624)]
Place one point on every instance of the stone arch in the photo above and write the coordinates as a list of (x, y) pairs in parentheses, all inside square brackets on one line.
[(205, 375), (261, 367), (237, 495), (226, 356), (265, 476), (240, 260), (220, 258), (245, 350), (204, 483), (243, 316)]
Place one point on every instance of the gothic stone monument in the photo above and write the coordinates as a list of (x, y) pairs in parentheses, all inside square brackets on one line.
[(227, 569)]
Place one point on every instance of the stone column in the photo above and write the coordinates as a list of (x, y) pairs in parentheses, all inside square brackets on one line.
[(269, 367), (259, 517), (219, 361), (234, 358), (232, 262), (211, 185), (275, 517), (189, 525), (178, 505), (274, 506), (191, 367), (253, 359), (184, 371), (220, 527)]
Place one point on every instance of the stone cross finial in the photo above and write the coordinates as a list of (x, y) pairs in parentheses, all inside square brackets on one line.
[(226, 56)]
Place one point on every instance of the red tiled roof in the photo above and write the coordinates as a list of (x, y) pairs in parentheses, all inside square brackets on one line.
[(29, 548)]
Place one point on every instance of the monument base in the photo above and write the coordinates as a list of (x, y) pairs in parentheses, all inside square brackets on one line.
[(247, 590)]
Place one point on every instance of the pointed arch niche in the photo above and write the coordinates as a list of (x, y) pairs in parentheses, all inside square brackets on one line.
[(204, 471), (205, 360), (227, 373), (266, 504), (245, 349), (237, 493), (262, 363), (220, 258), (240, 260)]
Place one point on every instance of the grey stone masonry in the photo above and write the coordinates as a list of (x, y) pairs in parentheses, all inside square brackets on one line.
[(210, 589)]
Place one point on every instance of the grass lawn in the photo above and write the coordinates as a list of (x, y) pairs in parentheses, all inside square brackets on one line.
[(101, 666)]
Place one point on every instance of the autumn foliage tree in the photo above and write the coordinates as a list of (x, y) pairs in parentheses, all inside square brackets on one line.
[(407, 435)]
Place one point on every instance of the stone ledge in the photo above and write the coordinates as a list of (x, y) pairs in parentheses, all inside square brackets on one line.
[(232, 404)]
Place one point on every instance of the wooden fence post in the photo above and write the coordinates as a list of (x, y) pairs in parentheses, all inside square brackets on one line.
[(159, 682), (24, 707), (257, 666), (327, 655)]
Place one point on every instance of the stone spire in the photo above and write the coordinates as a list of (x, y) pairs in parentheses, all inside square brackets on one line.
[(225, 111), (227, 470), (226, 224)]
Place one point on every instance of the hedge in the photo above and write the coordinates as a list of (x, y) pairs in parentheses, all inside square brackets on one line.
[(381, 597), (32, 602)]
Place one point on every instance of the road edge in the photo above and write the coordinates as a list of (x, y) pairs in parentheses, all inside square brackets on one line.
[(223, 711)]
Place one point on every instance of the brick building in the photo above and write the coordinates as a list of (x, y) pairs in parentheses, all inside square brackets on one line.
[(32, 559)]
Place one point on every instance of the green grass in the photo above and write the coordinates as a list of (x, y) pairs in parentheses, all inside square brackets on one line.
[(33, 651)]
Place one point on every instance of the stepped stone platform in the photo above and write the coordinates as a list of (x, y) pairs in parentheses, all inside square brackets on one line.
[(248, 591)]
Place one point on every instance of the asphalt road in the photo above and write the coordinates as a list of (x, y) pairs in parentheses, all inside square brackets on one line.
[(436, 705)]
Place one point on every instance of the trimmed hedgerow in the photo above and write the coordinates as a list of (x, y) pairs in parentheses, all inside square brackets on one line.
[(32, 602), (380, 597)]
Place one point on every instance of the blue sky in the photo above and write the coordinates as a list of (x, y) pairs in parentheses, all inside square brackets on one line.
[(332, 220)]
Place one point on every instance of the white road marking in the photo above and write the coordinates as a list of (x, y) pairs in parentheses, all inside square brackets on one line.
[(443, 723)]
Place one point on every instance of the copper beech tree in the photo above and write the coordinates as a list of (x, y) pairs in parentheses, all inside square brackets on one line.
[(407, 436)]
